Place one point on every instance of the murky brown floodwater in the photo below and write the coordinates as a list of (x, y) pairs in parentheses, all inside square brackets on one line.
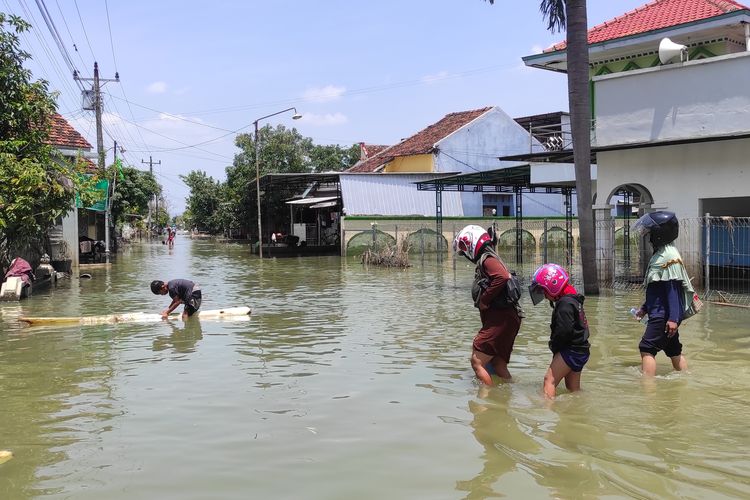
[(351, 383)]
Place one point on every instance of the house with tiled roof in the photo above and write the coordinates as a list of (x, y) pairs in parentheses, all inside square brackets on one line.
[(64, 235), (670, 129), (461, 142)]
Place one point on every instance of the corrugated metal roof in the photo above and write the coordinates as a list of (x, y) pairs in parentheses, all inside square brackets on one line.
[(394, 194)]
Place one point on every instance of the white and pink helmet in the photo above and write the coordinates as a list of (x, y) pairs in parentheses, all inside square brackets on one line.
[(470, 241), (549, 278)]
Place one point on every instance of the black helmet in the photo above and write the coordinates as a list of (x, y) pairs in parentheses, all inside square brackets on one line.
[(662, 227)]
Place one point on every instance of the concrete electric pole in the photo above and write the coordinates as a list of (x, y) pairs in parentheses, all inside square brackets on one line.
[(97, 107), (151, 164)]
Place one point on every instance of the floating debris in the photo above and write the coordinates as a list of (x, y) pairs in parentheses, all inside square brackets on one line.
[(5, 455)]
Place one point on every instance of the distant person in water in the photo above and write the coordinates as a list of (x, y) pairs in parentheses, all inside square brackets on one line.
[(569, 338), (669, 294), (182, 292), (170, 238)]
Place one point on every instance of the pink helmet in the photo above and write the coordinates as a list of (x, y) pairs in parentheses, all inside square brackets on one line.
[(549, 278), (470, 241)]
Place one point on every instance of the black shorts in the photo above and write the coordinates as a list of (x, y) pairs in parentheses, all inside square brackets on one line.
[(655, 339), (194, 304)]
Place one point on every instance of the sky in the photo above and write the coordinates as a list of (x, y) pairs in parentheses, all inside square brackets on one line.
[(193, 73)]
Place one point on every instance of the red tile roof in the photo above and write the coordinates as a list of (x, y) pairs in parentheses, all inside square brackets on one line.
[(423, 141), (373, 149), (63, 135), (656, 15), (372, 162)]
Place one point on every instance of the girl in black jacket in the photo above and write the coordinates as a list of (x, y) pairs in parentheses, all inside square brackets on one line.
[(569, 337)]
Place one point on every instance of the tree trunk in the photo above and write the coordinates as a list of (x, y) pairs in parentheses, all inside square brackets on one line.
[(579, 102)]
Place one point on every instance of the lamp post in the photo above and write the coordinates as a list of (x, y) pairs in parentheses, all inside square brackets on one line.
[(295, 116)]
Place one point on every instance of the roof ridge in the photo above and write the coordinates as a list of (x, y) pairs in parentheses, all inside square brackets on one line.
[(454, 113)]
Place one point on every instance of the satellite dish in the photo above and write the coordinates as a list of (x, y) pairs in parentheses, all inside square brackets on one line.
[(668, 50)]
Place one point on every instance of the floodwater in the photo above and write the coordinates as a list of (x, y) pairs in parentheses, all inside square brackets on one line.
[(349, 382)]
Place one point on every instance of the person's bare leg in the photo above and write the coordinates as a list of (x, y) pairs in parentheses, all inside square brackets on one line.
[(679, 362), (648, 364), (478, 360), (573, 381), (501, 368), (557, 370)]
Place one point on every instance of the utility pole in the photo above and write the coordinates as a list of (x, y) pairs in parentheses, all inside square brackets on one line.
[(99, 137), (151, 164)]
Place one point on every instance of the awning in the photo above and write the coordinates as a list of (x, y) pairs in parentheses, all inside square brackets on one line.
[(311, 201), (325, 204)]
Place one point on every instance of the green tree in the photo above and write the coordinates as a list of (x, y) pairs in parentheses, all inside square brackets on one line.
[(332, 157), (571, 15), (38, 185), (133, 191), (204, 204)]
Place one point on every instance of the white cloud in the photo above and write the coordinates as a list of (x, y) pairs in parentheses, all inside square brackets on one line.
[(157, 88), (325, 120), (324, 94), (442, 75)]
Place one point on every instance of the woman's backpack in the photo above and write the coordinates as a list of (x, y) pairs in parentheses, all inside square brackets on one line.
[(510, 295)]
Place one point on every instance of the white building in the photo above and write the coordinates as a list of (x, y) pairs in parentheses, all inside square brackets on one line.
[(676, 135)]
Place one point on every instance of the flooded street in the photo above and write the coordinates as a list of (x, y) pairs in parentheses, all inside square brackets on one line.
[(350, 382)]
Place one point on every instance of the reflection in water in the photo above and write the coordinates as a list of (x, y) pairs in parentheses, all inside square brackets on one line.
[(346, 382), (183, 338)]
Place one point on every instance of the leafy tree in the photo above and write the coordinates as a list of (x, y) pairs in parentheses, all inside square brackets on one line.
[(281, 151), (204, 205), (571, 15), (133, 191), (38, 185), (332, 157)]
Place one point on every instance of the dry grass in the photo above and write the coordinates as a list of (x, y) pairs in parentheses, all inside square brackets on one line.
[(388, 256)]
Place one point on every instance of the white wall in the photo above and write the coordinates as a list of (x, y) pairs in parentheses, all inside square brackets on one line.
[(700, 98), (481, 142), (678, 176)]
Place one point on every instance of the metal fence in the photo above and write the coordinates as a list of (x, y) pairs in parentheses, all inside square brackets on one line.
[(715, 250)]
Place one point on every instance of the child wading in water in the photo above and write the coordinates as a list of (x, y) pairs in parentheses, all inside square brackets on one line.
[(569, 340)]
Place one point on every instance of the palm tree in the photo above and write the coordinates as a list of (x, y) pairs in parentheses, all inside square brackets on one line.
[(571, 16)]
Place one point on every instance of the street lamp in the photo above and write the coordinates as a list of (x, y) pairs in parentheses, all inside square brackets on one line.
[(295, 116)]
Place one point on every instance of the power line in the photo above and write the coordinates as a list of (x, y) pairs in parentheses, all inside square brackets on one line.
[(72, 40), (186, 145), (47, 51), (56, 36), (109, 27), (178, 117), (84, 30)]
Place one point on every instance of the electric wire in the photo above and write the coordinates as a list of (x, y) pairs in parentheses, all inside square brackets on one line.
[(57, 38), (84, 30), (185, 145), (121, 86), (72, 40), (46, 50)]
